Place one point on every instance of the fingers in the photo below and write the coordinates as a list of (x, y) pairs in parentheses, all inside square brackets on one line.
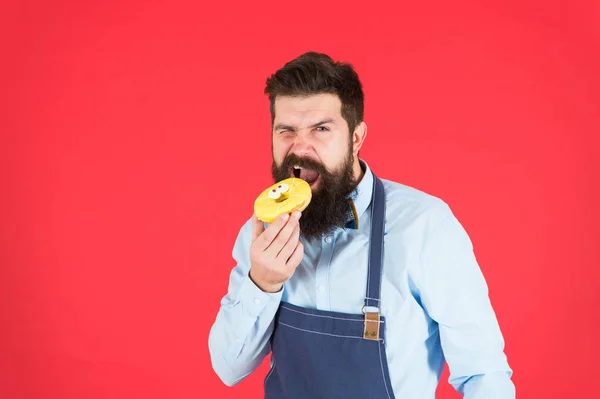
[(270, 233), (257, 227), (276, 251), (284, 235), (297, 256), (290, 245)]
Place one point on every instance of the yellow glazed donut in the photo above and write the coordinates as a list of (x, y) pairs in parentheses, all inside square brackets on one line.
[(286, 196)]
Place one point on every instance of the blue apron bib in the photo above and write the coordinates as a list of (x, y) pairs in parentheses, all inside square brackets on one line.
[(329, 355)]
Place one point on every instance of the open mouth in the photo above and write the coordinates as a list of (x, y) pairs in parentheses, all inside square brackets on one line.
[(310, 176)]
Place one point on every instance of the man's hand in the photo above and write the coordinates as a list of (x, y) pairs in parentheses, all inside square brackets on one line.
[(275, 252)]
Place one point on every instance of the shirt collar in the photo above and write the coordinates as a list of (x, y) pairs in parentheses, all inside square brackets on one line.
[(360, 197)]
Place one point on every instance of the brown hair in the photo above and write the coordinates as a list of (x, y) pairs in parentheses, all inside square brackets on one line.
[(315, 73)]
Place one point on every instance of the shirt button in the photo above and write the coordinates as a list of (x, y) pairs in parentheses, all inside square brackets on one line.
[(257, 301), (322, 288), (328, 240)]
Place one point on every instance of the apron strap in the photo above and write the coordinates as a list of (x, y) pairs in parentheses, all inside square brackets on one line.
[(373, 295)]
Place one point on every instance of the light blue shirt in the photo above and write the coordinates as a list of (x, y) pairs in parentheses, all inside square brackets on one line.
[(434, 298)]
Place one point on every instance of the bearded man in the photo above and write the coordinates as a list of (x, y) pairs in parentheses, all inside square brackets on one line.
[(372, 288)]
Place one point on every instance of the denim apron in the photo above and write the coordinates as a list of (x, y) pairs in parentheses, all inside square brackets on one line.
[(330, 355)]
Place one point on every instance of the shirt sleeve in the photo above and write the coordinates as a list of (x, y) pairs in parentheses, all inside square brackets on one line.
[(239, 338), (454, 293)]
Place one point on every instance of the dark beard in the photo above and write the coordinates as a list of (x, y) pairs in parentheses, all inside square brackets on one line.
[(329, 204)]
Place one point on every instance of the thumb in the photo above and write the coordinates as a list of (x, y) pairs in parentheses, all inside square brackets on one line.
[(257, 227)]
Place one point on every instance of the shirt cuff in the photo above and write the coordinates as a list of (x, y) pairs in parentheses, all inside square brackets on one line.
[(254, 300)]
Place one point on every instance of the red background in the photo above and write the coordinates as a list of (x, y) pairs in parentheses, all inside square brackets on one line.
[(135, 137)]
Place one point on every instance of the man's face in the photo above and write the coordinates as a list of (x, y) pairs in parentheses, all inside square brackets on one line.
[(310, 133)]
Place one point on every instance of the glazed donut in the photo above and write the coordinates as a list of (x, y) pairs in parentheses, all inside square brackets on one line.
[(285, 196)]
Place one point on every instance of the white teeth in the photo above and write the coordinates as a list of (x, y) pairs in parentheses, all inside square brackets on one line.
[(297, 167)]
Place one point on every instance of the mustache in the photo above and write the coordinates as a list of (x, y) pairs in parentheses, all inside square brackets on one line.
[(306, 163)]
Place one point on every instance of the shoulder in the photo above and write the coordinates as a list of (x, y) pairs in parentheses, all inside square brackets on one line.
[(414, 211)]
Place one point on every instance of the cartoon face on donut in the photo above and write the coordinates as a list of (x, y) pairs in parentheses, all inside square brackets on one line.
[(285, 196), (279, 193)]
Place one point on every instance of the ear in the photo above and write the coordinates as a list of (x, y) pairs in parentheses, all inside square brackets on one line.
[(358, 137)]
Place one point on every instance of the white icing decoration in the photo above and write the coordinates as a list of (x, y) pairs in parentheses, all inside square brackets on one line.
[(274, 194)]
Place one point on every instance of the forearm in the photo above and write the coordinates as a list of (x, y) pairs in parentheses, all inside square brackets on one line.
[(239, 338), (474, 348)]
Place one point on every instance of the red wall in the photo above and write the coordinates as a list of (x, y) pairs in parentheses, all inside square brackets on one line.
[(135, 138)]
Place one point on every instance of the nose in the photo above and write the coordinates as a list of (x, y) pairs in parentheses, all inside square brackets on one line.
[(301, 145)]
